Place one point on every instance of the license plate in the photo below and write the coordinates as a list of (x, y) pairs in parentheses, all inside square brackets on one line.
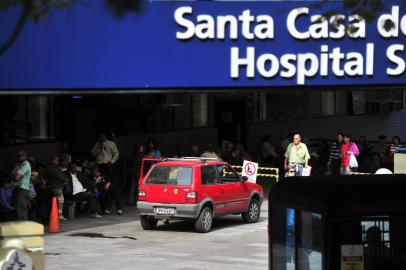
[(165, 211)]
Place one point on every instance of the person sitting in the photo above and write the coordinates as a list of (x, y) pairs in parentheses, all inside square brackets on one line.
[(106, 192), (7, 212), (76, 189)]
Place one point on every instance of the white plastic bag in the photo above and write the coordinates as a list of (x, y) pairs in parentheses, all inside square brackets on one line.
[(307, 171), (353, 161)]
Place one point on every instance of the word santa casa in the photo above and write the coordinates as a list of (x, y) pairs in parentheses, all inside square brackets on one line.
[(263, 26)]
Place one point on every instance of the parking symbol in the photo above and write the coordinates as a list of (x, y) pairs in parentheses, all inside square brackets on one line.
[(250, 169)]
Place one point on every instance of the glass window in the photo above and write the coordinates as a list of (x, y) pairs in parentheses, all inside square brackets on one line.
[(209, 175), (26, 119), (283, 238), (313, 104), (263, 107), (380, 224), (200, 110), (147, 165), (298, 105), (328, 103), (310, 250), (377, 246), (170, 175), (341, 103), (227, 174)]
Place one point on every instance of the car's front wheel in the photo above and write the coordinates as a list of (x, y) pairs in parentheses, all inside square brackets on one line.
[(204, 221), (253, 212), (148, 223)]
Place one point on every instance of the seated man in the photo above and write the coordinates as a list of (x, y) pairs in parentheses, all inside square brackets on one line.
[(76, 190), (7, 212), (106, 192)]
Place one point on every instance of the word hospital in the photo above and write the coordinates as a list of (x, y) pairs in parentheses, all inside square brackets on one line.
[(322, 61)]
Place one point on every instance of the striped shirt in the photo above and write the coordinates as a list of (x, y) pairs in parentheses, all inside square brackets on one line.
[(335, 151), (394, 149)]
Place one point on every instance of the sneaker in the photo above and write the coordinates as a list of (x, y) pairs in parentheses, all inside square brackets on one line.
[(120, 212), (95, 215), (107, 212)]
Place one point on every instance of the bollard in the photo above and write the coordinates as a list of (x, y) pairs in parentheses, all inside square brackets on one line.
[(22, 245)]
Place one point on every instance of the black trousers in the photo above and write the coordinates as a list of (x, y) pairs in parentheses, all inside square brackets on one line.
[(20, 197), (7, 215), (89, 198), (107, 170), (335, 166), (106, 199), (134, 187), (41, 205)]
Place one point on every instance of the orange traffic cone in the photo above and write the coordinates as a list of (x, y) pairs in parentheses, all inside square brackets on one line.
[(53, 218)]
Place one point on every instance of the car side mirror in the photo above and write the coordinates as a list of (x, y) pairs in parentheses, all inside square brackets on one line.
[(244, 178)]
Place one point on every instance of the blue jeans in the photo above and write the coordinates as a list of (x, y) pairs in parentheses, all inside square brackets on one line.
[(298, 168)]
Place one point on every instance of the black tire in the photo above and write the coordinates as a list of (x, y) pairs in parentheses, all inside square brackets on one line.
[(253, 212), (204, 221), (148, 223)]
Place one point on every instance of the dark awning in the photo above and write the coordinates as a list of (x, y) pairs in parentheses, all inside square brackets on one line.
[(366, 194)]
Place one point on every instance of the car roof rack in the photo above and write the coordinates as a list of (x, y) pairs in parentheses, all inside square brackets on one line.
[(201, 159)]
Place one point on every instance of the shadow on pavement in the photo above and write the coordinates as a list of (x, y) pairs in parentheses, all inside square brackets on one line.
[(218, 224)]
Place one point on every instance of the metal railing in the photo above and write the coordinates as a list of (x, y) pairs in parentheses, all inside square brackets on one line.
[(274, 174)]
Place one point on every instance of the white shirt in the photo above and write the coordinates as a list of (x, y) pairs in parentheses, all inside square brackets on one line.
[(208, 154), (105, 152), (76, 185)]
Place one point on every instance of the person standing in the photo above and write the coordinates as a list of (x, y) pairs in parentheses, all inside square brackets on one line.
[(209, 153), (297, 155), (152, 149), (56, 179), (106, 154), (335, 152), (135, 169), (22, 176), (348, 148), (269, 157), (389, 159)]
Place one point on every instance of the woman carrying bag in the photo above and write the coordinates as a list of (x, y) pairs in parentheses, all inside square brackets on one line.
[(349, 152)]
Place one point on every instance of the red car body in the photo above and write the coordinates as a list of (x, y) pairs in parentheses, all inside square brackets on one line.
[(189, 188)]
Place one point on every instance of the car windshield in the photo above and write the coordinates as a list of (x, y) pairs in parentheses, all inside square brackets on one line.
[(170, 175)]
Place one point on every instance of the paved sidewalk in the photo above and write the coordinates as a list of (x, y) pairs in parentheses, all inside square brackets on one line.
[(119, 242), (82, 221)]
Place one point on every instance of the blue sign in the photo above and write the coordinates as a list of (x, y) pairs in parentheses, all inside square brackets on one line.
[(205, 44)]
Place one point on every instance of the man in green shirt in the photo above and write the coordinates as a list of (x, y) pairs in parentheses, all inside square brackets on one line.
[(22, 176), (297, 155)]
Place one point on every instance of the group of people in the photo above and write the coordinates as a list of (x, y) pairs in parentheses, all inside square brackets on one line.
[(342, 156), (28, 192), (347, 155)]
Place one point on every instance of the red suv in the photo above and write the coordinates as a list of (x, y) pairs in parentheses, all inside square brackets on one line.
[(196, 189)]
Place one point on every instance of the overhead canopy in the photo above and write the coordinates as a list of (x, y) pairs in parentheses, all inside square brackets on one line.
[(366, 194), (204, 44)]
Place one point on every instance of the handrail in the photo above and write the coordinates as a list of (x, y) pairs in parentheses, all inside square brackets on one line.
[(273, 175)]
